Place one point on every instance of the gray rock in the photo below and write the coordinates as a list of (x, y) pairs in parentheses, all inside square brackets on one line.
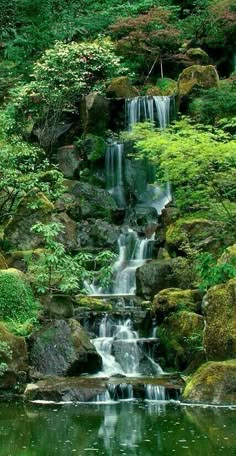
[(98, 233), (63, 348), (68, 160), (95, 114), (94, 202)]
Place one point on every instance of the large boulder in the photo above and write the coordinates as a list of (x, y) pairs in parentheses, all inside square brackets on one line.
[(63, 348), (174, 299), (220, 316), (18, 231), (181, 338), (157, 275), (198, 233), (95, 114), (13, 359), (94, 202), (197, 76), (121, 88), (69, 232), (68, 161), (98, 233), (213, 383)]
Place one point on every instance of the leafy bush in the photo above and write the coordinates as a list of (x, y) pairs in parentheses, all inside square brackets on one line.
[(17, 301), (211, 272)]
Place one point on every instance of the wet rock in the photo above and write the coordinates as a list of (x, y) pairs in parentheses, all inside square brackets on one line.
[(98, 233), (130, 355), (94, 202), (69, 233), (158, 275), (213, 383), (18, 231), (60, 305), (63, 348), (220, 316), (69, 161), (121, 88), (197, 76), (15, 358), (95, 114)]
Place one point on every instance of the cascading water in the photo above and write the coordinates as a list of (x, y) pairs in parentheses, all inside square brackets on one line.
[(155, 393), (115, 172), (153, 109), (121, 349)]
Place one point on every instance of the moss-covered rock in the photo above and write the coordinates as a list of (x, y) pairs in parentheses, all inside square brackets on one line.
[(158, 275), (198, 56), (94, 147), (173, 299), (69, 203), (94, 304), (181, 338), (198, 233), (18, 231), (197, 76), (17, 259), (3, 262), (229, 255), (94, 112), (69, 233), (121, 88), (213, 383), (13, 359), (63, 348), (163, 87), (220, 315)]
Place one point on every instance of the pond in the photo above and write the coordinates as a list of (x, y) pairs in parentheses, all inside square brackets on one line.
[(123, 428)]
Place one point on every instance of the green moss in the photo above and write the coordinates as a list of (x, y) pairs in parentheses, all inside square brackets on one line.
[(197, 76), (121, 88), (199, 56), (213, 382), (173, 299), (164, 86), (94, 304), (195, 231), (16, 298)]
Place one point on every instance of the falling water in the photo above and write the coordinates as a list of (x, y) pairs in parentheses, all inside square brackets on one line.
[(153, 109), (155, 393), (115, 172)]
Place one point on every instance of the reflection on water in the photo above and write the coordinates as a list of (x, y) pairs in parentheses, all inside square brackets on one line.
[(133, 429)]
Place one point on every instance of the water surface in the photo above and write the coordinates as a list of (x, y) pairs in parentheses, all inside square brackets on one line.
[(125, 428)]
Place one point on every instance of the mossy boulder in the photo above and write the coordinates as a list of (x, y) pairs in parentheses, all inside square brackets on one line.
[(92, 303), (229, 255), (213, 383), (199, 233), (158, 275), (173, 299), (18, 231), (197, 76), (17, 301), (94, 147), (13, 359), (198, 56), (94, 202), (69, 203), (17, 259), (63, 348), (121, 88), (94, 111), (220, 316), (163, 87), (181, 338)]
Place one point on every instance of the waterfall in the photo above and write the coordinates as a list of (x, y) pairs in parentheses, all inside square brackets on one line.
[(152, 109), (155, 393), (115, 172), (133, 252)]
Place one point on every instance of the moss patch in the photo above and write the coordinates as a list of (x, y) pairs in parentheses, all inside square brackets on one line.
[(94, 304), (121, 88), (197, 76), (172, 299)]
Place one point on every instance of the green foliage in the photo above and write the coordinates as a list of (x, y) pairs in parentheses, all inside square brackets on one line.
[(199, 161), (212, 272), (56, 271), (17, 301), (5, 352)]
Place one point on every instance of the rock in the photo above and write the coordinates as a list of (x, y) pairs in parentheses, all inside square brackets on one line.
[(94, 202), (169, 215), (220, 315), (69, 161), (69, 203), (94, 147), (229, 255), (15, 357), (174, 299), (18, 232), (213, 383), (198, 56), (95, 114), (17, 259), (180, 338), (163, 87), (197, 76), (130, 355), (93, 304), (63, 348), (60, 305), (198, 233), (98, 234), (158, 275), (121, 88), (68, 236)]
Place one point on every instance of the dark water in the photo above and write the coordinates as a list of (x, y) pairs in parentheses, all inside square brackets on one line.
[(126, 428)]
